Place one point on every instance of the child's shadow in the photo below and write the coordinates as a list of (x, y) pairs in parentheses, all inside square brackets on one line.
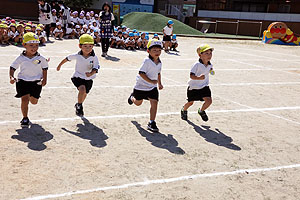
[(215, 136), (112, 58), (160, 140), (90, 132), (35, 135)]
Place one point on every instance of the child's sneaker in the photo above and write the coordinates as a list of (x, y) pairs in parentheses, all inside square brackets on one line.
[(152, 126), (79, 109), (184, 114), (25, 122), (130, 102), (203, 115)]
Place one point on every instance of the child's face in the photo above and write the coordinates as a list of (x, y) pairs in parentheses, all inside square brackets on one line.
[(106, 8), (13, 28), (86, 48), (31, 48), (206, 56), (154, 52), (59, 26), (119, 35)]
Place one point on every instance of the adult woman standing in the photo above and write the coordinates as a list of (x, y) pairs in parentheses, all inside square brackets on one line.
[(45, 16), (105, 19)]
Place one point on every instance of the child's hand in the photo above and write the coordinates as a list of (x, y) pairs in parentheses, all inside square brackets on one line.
[(58, 68), (44, 82), (12, 80), (88, 74), (154, 81), (160, 86), (202, 77)]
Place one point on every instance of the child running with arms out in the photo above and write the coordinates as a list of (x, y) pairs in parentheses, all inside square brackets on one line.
[(198, 89), (32, 76), (147, 80), (87, 65)]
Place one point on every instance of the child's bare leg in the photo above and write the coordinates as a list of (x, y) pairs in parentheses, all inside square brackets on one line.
[(33, 100), (207, 103), (24, 105), (187, 105), (136, 102), (153, 109), (81, 94)]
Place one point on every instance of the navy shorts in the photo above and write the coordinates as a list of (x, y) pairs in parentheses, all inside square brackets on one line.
[(28, 87), (79, 81), (198, 94), (167, 38), (140, 94)]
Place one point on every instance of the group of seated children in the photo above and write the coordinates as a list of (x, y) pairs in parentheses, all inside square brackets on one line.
[(123, 37), (11, 32)]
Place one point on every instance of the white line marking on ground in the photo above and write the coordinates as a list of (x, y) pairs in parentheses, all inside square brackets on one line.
[(267, 68), (176, 85), (158, 114), (164, 181), (250, 107)]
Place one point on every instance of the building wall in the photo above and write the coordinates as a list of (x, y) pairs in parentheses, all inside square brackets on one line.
[(27, 9)]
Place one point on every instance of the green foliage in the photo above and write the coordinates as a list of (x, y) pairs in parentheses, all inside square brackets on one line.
[(79, 3)]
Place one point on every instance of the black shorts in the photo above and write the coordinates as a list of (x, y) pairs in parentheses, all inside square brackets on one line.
[(28, 87), (140, 94), (167, 38), (79, 81), (198, 94), (53, 25)]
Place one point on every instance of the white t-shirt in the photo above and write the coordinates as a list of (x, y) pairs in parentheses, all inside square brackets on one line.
[(174, 41), (87, 21), (56, 30), (11, 34), (119, 39), (151, 70), (43, 34), (84, 65), (80, 21), (31, 69), (199, 68), (54, 19), (69, 30), (168, 30), (129, 40)]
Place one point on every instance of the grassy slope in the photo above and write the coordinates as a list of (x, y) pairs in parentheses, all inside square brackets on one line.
[(154, 22)]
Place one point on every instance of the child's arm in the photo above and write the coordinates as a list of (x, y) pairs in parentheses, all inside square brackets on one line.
[(61, 63), (194, 77), (12, 79), (160, 86), (146, 78), (44, 81), (94, 71)]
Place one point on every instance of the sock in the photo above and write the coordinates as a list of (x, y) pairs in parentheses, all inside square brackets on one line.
[(151, 121)]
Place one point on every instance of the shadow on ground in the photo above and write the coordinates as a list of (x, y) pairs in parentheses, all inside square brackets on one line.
[(35, 136), (160, 140), (89, 131), (215, 136)]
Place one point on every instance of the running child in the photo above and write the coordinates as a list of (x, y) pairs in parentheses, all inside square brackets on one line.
[(147, 80), (198, 89), (87, 65), (32, 76)]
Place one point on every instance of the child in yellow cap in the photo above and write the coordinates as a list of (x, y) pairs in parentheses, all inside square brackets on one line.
[(87, 65), (32, 76), (198, 89), (147, 80), (19, 34), (4, 38)]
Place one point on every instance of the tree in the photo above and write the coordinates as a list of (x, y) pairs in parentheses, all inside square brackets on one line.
[(79, 3)]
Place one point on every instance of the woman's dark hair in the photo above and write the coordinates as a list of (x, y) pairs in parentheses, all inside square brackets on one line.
[(106, 4)]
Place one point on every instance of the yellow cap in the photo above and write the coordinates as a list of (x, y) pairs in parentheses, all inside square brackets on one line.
[(27, 28), (30, 38), (154, 42), (86, 39), (3, 26), (13, 24), (203, 48), (20, 25), (38, 29)]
